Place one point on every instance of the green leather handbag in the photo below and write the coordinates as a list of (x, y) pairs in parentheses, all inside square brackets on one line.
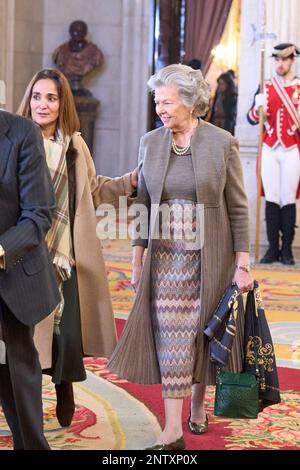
[(237, 395)]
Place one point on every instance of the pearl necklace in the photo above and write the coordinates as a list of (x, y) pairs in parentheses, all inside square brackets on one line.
[(180, 150)]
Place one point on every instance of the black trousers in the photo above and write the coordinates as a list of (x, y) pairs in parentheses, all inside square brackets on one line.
[(21, 384)]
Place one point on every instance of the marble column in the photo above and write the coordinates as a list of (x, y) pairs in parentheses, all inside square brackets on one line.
[(20, 46), (135, 71), (28, 44), (282, 19), (7, 29)]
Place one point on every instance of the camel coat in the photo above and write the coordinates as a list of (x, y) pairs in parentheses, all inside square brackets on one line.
[(97, 321), (219, 187)]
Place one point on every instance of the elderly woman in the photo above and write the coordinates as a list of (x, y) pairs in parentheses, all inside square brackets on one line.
[(186, 164), (84, 323)]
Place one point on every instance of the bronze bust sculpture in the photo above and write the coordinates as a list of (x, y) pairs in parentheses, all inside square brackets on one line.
[(77, 57)]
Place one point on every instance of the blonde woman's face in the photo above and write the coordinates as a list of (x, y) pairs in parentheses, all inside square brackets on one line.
[(44, 105), (169, 106)]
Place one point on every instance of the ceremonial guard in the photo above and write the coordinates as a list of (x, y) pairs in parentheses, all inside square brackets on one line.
[(280, 164)]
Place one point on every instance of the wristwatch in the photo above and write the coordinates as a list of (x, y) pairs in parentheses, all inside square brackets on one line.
[(244, 267)]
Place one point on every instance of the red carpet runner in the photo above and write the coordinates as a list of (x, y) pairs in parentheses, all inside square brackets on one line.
[(278, 427)]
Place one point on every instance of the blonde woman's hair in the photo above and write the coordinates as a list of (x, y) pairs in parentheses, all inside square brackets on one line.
[(192, 88), (68, 121)]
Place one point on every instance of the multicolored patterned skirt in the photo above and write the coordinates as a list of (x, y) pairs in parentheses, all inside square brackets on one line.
[(175, 303)]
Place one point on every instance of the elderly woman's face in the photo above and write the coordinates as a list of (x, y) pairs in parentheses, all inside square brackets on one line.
[(170, 108)]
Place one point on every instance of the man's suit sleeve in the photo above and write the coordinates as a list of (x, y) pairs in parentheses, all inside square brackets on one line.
[(36, 199)]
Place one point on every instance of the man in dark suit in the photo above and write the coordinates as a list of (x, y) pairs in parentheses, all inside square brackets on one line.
[(28, 290)]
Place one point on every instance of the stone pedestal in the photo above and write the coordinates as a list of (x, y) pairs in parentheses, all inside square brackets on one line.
[(87, 107)]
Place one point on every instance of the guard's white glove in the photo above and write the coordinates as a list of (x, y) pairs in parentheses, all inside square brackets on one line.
[(260, 100)]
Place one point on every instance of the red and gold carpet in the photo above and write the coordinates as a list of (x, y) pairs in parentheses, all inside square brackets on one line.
[(114, 414)]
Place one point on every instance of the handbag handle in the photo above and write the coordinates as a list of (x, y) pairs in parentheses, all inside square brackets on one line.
[(252, 297)]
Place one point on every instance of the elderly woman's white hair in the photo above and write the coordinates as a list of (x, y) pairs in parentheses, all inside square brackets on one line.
[(192, 88)]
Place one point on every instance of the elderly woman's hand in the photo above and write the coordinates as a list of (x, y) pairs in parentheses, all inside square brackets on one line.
[(134, 176), (243, 280)]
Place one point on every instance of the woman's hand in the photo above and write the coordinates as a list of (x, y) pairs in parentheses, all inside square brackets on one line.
[(136, 275), (134, 177), (243, 280)]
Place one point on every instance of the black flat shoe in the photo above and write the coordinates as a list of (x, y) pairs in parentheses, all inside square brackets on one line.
[(176, 445), (287, 257), (270, 257), (198, 428)]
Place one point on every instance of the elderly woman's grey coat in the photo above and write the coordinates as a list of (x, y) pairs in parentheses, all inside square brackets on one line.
[(219, 185)]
